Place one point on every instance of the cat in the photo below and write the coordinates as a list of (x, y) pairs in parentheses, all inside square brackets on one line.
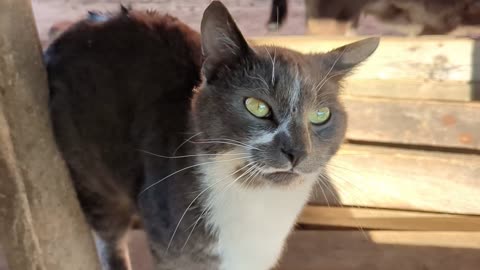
[(433, 16), (210, 144)]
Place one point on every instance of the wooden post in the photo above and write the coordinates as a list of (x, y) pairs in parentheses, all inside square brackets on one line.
[(42, 227)]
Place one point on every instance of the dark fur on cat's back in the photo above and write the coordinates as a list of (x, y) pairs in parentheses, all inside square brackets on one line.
[(112, 85), (146, 111)]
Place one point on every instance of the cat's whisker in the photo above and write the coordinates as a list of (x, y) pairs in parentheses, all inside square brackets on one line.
[(211, 202), (320, 184), (189, 156), (329, 71), (252, 176), (336, 176), (208, 207), (230, 140), (259, 78), (220, 142), (330, 77), (221, 180), (186, 168), (322, 180), (272, 59), (226, 142), (357, 193), (361, 194), (339, 185), (186, 141)]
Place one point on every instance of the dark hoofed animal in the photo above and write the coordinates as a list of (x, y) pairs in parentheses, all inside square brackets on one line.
[(434, 16)]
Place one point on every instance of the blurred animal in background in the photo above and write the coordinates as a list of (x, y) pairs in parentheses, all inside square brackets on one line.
[(278, 14), (430, 16)]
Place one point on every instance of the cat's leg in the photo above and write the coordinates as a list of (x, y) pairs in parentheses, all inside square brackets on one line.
[(111, 226), (109, 211), (110, 215), (113, 253)]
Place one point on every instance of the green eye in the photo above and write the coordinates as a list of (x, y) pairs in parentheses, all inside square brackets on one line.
[(257, 107), (319, 116)]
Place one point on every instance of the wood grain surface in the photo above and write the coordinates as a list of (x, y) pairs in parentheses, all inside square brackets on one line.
[(403, 179), (381, 219), (413, 122), (404, 67), (382, 250)]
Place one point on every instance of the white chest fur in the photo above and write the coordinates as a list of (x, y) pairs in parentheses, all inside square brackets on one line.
[(251, 224)]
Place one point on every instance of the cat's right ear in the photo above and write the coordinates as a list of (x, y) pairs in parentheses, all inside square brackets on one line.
[(342, 60), (222, 41)]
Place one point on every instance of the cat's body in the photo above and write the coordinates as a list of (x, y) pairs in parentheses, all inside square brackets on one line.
[(215, 187), (107, 107)]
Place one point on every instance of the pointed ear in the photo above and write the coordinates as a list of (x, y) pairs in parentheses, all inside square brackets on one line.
[(342, 60), (222, 42)]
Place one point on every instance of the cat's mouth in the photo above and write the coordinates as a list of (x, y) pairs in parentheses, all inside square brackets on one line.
[(281, 176), (273, 176)]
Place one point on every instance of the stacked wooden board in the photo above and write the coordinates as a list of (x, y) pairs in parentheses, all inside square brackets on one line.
[(404, 191)]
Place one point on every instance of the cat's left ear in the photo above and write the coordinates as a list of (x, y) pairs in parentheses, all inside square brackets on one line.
[(342, 60), (222, 41)]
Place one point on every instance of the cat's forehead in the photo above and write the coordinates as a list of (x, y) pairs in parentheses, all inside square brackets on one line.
[(293, 78)]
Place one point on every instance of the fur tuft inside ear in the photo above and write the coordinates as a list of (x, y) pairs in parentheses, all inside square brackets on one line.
[(343, 59), (222, 41)]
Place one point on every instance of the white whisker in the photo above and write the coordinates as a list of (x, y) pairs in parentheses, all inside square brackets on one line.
[(223, 179), (186, 141), (272, 59), (226, 142), (188, 156), (186, 168)]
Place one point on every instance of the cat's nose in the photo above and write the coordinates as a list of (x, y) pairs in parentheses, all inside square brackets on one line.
[(295, 156)]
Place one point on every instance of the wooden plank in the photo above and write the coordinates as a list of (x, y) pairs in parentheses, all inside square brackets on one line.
[(370, 250), (381, 250), (403, 179), (413, 89), (3, 260), (422, 63), (429, 123), (424, 58), (41, 224), (380, 219)]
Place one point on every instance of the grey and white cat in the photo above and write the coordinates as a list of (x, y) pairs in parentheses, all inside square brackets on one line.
[(214, 145)]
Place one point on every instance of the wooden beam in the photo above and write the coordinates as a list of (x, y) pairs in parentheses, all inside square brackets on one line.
[(3, 260), (356, 250), (412, 89), (40, 219), (421, 65), (380, 250), (441, 124), (381, 219), (382, 177), (424, 58)]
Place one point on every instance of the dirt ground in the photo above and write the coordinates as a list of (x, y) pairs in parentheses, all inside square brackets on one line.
[(251, 15)]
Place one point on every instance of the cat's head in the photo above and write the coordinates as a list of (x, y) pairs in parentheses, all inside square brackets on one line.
[(269, 111)]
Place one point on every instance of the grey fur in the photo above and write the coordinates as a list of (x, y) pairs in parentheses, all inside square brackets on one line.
[(116, 134)]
